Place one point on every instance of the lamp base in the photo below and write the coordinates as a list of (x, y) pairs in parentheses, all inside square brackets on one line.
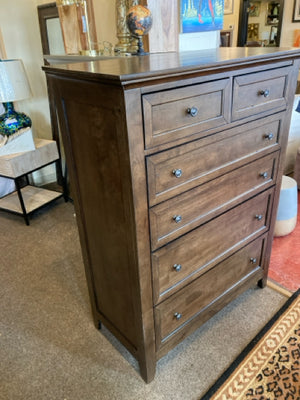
[(11, 121)]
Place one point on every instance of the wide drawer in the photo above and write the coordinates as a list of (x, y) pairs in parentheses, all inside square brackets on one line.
[(174, 171), (174, 217), (177, 113), (196, 252), (180, 310), (259, 92)]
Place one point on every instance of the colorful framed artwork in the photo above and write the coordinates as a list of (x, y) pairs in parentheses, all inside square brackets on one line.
[(228, 6), (201, 15), (254, 8), (296, 12)]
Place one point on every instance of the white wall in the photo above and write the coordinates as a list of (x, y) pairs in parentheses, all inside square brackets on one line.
[(21, 35), (288, 27), (287, 40), (199, 41), (231, 21), (20, 31)]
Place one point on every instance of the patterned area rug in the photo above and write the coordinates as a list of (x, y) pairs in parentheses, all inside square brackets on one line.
[(269, 367)]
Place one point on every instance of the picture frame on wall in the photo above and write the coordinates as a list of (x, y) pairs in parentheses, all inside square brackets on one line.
[(296, 12), (228, 6), (201, 16), (253, 32), (254, 8)]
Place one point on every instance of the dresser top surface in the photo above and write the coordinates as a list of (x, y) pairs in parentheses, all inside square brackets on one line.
[(133, 68)]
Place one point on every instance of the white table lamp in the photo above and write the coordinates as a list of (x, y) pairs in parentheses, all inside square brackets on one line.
[(14, 86)]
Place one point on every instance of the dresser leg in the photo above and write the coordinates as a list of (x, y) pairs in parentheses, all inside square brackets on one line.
[(147, 369), (98, 324), (262, 282)]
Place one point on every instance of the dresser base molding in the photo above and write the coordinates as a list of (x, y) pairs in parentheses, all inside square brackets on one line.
[(175, 201)]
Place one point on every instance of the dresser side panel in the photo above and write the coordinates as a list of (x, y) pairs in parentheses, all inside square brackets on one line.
[(93, 130), (285, 127)]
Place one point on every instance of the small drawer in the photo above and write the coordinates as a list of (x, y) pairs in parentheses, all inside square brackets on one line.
[(174, 217), (181, 309), (196, 252), (260, 92), (174, 171), (177, 113)]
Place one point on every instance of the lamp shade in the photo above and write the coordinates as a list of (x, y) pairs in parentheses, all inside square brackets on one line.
[(14, 84)]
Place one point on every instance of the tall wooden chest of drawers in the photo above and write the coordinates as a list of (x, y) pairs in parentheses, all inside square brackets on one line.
[(175, 163)]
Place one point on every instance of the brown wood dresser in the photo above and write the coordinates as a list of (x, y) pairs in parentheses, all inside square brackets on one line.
[(175, 162)]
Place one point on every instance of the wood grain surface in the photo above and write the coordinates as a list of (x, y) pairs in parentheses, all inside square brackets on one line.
[(119, 179)]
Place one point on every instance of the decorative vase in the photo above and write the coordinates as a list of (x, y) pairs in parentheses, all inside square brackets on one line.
[(287, 207), (11, 121)]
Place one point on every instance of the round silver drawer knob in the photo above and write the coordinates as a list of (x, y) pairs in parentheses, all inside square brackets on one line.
[(177, 316), (177, 218), (258, 217), (269, 136), (177, 173), (193, 111), (253, 260), (264, 175), (265, 93), (177, 267)]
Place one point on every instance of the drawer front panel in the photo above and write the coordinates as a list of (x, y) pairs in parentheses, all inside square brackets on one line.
[(259, 92), (175, 171), (196, 252), (178, 113), (177, 311), (177, 216)]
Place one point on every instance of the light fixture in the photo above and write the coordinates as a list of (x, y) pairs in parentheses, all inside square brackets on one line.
[(14, 86)]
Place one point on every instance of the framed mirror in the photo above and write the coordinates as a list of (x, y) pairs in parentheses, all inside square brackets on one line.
[(263, 15), (51, 34)]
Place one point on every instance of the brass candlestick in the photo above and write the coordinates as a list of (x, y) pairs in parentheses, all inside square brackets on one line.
[(126, 43), (123, 33)]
